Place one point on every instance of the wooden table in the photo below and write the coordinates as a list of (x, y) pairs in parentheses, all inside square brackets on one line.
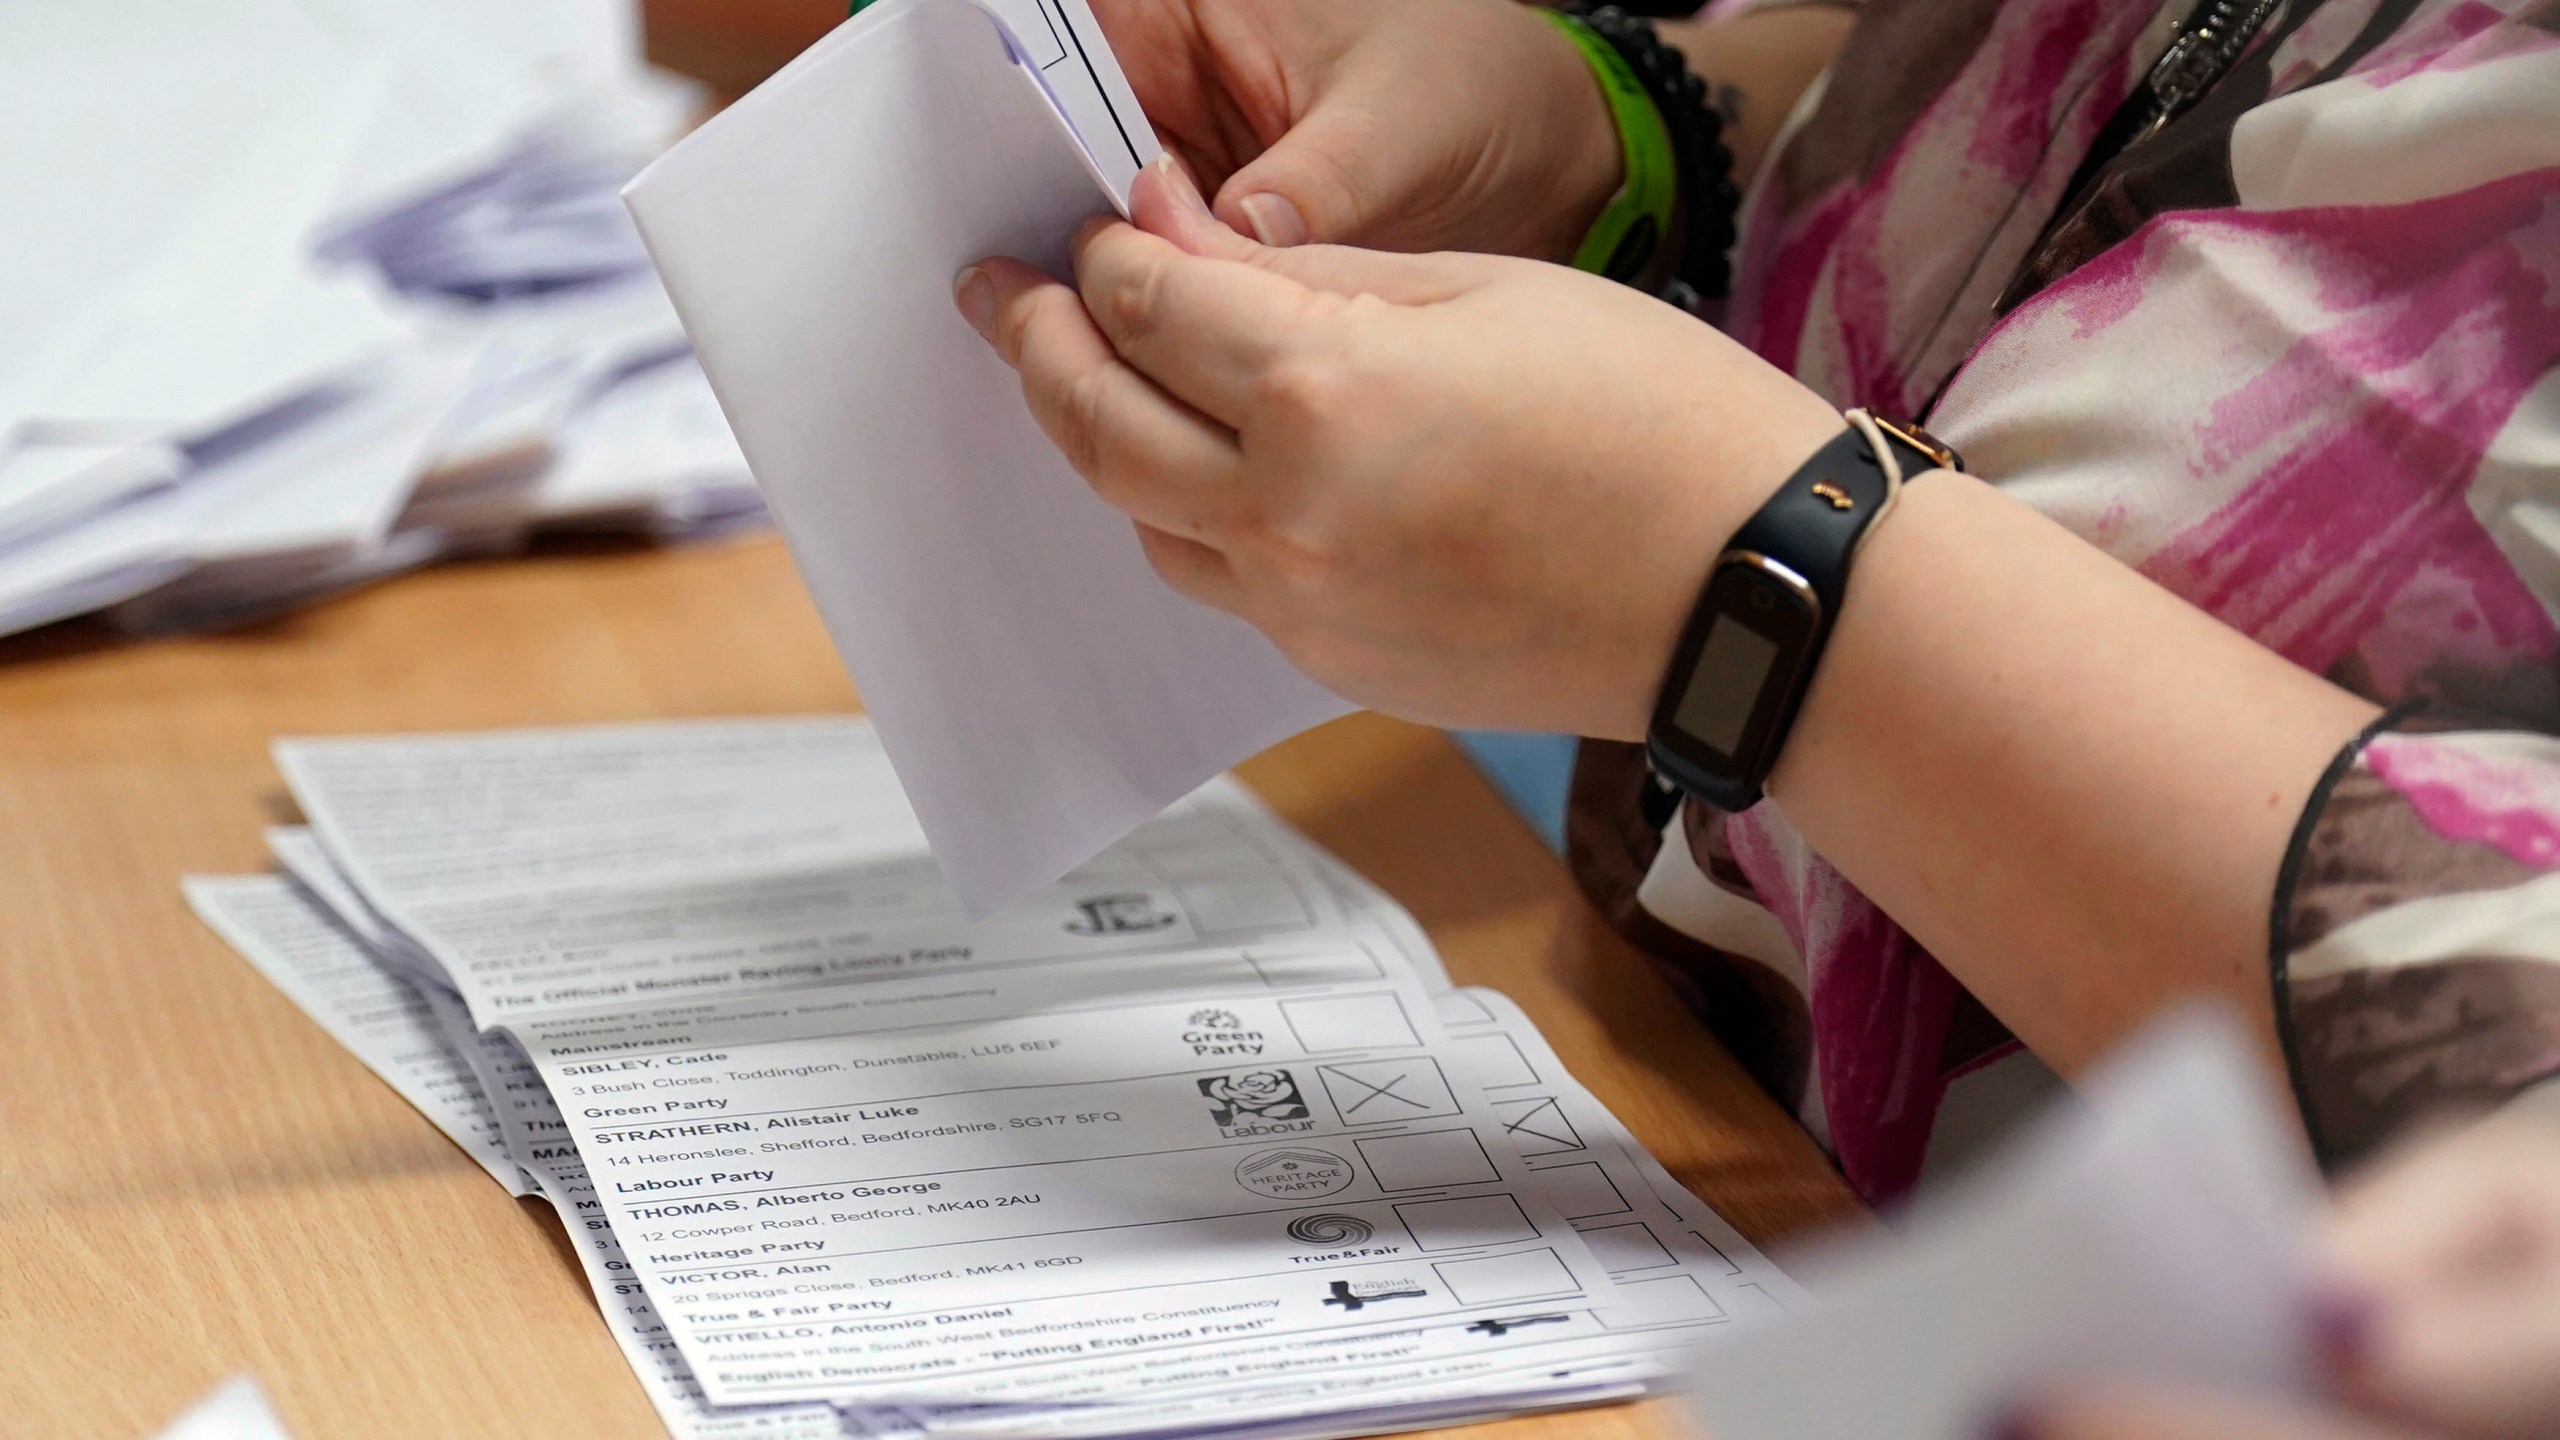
[(195, 1180)]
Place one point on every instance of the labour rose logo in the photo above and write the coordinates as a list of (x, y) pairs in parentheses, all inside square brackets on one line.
[(1262, 1094)]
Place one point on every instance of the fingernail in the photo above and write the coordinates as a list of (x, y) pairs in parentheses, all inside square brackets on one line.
[(975, 294), (1275, 221), (1184, 191), (2341, 1325)]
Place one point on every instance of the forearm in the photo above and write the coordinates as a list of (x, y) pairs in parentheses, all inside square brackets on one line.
[(2072, 787), (1757, 65)]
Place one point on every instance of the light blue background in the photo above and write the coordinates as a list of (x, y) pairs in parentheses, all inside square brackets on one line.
[(1533, 772)]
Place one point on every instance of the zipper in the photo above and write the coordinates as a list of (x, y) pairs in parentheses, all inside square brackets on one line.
[(2209, 42), (2212, 38)]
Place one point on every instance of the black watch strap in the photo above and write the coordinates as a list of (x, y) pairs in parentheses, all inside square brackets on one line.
[(1748, 653), (1813, 524)]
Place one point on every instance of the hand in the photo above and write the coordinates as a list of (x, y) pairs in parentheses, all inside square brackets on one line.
[(1415, 125), (1463, 489), (2447, 1264), (2443, 1318)]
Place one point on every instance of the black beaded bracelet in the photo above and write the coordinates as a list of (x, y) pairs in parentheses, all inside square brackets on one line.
[(1709, 202)]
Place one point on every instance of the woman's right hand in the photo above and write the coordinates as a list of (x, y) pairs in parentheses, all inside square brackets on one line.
[(1413, 125)]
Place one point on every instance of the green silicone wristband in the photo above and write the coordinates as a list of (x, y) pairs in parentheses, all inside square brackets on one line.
[(1637, 220)]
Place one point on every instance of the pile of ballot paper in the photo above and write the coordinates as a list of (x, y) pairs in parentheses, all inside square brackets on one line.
[(1199, 1137), (298, 293)]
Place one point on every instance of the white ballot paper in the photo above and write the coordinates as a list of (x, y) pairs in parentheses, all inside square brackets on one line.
[(2151, 1233), (1039, 689), (1683, 1275), (1066, 1186), (1197, 1139), (543, 873), (479, 1090), (1586, 1166), (380, 1017)]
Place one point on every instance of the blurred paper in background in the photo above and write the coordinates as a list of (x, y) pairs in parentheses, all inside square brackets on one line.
[(298, 293)]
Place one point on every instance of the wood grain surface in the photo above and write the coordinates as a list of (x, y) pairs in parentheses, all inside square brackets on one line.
[(195, 1180)]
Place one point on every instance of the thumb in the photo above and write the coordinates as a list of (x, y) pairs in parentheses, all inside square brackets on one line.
[(1164, 202), (1330, 178)]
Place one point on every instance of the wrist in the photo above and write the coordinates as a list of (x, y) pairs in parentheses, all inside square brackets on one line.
[(1584, 162), (1669, 231), (1901, 561), (1722, 478), (1753, 461), (1758, 633)]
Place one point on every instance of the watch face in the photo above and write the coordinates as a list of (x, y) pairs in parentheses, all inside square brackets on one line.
[(1735, 671)]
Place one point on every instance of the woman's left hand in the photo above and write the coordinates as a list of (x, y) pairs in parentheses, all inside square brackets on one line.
[(1462, 489), (2442, 1313)]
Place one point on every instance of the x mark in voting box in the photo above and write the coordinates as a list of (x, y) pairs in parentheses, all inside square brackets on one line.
[(1538, 1126), (1370, 1092)]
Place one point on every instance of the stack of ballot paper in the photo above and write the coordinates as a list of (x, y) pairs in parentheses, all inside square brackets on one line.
[(298, 293), (1200, 1137)]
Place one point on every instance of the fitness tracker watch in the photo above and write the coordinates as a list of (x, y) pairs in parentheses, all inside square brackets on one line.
[(1748, 653)]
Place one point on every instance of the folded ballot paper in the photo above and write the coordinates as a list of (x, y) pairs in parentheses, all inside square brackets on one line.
[(2149, 1233), (1039, 689), (1197, 1137)]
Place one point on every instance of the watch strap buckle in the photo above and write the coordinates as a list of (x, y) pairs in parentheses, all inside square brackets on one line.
[(1940, 453)]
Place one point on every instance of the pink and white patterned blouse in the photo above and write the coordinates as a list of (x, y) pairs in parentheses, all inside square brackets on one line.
[(2295, 357)]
